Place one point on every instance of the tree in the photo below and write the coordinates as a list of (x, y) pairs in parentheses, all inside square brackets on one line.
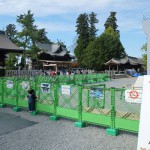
[(12, 58), (83, 36), (11, 61), (92, 29), (111, 22), (11, 32), (29, 35), (28, 32), (144, 49), (103, 48)]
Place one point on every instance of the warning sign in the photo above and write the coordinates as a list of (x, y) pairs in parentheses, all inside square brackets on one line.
[(66, 89), (133, 96)]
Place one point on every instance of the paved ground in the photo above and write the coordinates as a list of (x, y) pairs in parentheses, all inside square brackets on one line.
[(62, 135), (12, 122)]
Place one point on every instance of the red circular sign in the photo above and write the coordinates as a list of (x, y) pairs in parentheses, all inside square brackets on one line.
[(134, 94)]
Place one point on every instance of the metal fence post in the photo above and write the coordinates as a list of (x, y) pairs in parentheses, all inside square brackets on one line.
[(103, 100), (17, 97), (122, 93), (112, 130), (88, 97), (2, 105), (79, 123), (54, 117)]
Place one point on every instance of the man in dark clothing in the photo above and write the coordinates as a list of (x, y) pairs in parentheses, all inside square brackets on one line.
[(31, 100)]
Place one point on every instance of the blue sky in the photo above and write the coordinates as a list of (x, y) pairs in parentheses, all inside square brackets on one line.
[(58, 17)]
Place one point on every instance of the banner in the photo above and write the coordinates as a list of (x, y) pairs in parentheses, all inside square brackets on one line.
[(25, 85), (97, 93), (45, 87), (9, 84), (133, 96), (144, 127), (66, 89)]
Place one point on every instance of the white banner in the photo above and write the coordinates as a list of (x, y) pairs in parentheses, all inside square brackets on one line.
[(133, 96), (25, 85), (9, 84), (66, 89), (144, 127)]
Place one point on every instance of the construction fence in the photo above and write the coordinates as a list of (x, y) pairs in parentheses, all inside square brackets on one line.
[(70, 98)]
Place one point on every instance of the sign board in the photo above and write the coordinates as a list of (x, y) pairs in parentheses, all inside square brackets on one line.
[(25, 85), (45, 87), (66, 89), (133, 96), (144, 127), (97, 93), (9, 84)]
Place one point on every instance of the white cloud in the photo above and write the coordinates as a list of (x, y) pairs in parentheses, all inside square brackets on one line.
[(129, 13), (56, 27), (50, 7)]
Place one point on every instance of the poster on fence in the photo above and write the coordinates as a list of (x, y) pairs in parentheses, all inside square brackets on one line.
[(133, 96), (97, 93), (25, 85), (9, 84), (66, 89), (45, 87)]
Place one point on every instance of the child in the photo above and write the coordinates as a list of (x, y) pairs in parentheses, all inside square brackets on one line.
[(31, 100)]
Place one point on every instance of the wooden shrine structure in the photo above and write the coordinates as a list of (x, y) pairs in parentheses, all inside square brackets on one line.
[(53, 55), (6, 46)]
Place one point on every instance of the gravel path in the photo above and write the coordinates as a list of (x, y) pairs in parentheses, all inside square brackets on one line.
[(62, 135)]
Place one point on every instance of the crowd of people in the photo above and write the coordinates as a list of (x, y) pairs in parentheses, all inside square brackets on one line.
[(67, 72)]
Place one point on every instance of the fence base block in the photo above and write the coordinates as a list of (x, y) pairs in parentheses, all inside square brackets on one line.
[(113, 132), (2, 105), (54, 118), (80, 124), (16, 109), (34, 113)]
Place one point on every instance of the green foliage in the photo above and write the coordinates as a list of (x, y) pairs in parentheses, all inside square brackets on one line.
[(92, 29), (29, 35), (11, 62), (86, 32), (144, 49), (102, 49), (83, 36), (11, 33), (111, 22)]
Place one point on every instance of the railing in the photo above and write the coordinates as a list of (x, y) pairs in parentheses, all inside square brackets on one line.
[(20, 73), (116, 74), (95, 104)]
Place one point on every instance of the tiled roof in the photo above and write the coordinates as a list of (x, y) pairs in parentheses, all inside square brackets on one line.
[(127, 59), (7, 45)]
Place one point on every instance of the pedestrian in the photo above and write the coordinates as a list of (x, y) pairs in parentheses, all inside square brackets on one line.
[(31, 100)]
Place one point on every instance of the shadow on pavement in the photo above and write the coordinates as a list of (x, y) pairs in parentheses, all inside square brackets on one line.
[(10, 123)]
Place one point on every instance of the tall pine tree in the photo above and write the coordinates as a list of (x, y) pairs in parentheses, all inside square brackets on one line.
[(111, 22), (92, 30), (83, 36), (11, 32)]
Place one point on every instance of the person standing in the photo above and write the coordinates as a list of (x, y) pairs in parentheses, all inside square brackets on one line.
[(31, 100)]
